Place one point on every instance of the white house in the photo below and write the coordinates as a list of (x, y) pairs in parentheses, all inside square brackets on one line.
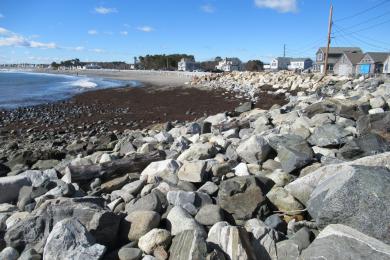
[(186, 64), (300, 64), (280, 63), (386, 66), (229, 64)]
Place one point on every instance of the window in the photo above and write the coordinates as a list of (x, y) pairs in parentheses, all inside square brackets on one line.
[(319, 56)]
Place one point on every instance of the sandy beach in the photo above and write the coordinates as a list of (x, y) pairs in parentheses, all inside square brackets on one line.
[(159, 79)]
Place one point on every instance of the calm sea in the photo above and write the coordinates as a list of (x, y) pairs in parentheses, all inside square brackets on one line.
[(19, 89)]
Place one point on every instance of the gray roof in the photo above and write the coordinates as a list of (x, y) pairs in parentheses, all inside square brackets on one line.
[(341, 50), (379, 56), (300, 59), (354, 58)]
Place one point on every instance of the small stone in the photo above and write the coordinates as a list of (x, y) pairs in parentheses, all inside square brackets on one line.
[(128, 253), (153, 239), (209, 214)]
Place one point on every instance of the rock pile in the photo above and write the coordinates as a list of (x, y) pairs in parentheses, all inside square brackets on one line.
[(307, 180)]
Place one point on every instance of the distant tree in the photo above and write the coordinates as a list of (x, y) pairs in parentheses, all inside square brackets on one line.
[(54, 65), (161, 62), (254, 65), (217, 59)]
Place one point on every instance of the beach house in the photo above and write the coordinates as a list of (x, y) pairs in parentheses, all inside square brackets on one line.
[(300, 64), (187, 64), (347, 64), (372, 62), (229, 64), (280, 63), (335, 54)]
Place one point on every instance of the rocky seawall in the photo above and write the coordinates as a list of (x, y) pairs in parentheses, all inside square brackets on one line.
[(305, 180)]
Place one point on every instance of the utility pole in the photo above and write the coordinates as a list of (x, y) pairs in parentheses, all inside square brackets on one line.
[(284, 50), (329, 39)]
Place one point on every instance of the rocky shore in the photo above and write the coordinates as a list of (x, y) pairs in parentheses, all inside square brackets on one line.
[(304, 179)]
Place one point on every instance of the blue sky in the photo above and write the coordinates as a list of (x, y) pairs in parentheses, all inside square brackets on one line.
[(41, 31)]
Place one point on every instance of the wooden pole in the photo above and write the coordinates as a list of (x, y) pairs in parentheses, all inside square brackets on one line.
[(329, 39)]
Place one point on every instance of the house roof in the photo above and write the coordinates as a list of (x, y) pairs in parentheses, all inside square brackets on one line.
[(340, 50), (379, 56), (300, 59), (354, 58)]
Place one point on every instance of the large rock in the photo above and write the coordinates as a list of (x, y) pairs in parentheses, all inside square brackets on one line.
[(69, 239), (291, 248), (358, 197), (293, 151), (329, 135), (284, 201), (192, 171), (377, 123), (141, 222), (254, 149), (165, 170), (32, 231), (302, 187), (9, 253), (153, 239), (180, 220), (344, 108), (198, 151), (188, 244), (362, 146), (209, 214), (150, 202), (11, 185), (342, 242), (233, 241), (243, 196)]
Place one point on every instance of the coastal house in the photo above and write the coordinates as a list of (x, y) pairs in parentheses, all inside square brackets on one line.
[(386, 66), (280, 63), (92, 66), (300, 64), (347, 64), (229, 64), (335, 54), (372, 62), (186, 64)]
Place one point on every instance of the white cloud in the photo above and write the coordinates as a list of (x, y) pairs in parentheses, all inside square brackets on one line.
[(92, 32), (283, 6), (105, 10), (79, 48), (3, 31), (145, 29), (124, 33), (208, 8), (11, 39), (97, 50)]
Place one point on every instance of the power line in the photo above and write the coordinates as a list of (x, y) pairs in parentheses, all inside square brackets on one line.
[(363, 11), (347, 32), (369, 20)]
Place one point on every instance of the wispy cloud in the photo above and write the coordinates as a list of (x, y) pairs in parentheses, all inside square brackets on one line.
[(79, 48), (282, 6), (208, 8), (124, 33), (105, 10), (146, 29), (92, 32), (12, 39)]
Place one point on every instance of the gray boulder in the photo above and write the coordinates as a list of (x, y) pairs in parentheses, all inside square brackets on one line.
[(153, 239), (254, 149), (376, 123), (180, 220), (209, 214), (329, 135), (243, 196), (188, 244), (293, 151), (69, 239), (33, 231), (192, 171), (358, 197), (198, 151), (140, 223), (342, 242), (9, 253)]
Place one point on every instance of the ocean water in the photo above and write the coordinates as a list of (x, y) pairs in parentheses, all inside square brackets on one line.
[(20, 89)]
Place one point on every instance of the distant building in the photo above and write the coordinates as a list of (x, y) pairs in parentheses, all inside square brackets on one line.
[(280, 63), (372, 62), (300, 64), (386, 66), (229, 64), (267, 66), (347, 64), (92, 66), (187, 64), (335, 54)]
